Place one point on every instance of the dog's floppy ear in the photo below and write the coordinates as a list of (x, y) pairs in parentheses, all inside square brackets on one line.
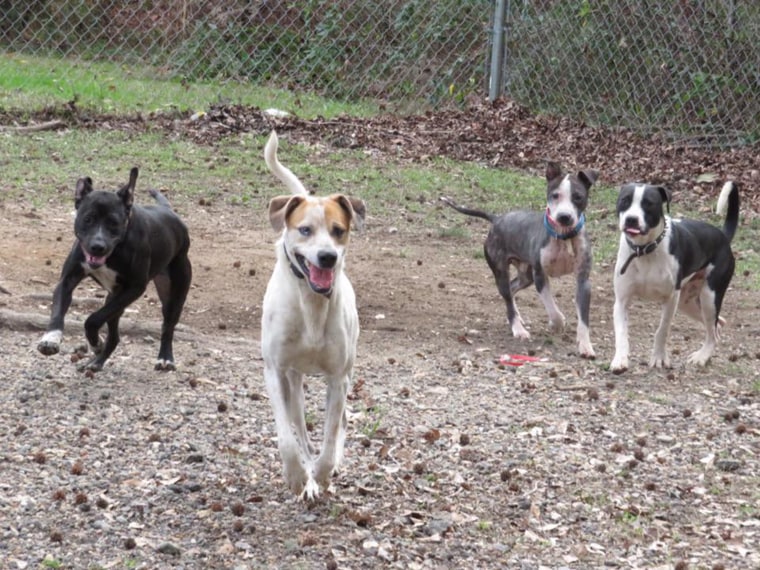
[(588, 177), (127, 192), (666, 196), (360, 211), (354, 207), (84, 187), (553, 170), (280, 207)]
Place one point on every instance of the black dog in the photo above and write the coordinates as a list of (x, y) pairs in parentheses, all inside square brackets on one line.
[(122, 247)]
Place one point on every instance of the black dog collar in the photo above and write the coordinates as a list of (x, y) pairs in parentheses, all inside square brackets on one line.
[(293, 267), (639, 250)]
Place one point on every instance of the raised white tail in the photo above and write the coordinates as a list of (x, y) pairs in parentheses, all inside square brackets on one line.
[(283, 173), (725, 192)]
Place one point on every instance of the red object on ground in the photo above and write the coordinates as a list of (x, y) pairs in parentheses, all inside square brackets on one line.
[(516, 359)]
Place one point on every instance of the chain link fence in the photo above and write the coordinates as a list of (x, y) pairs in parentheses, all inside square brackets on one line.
[(688, 68)]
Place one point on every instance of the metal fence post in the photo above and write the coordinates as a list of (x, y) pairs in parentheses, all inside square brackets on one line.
[(496, 81)]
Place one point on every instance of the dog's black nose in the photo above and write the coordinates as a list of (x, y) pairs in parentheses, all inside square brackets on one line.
[(327, 259), (564, 220), (97, 248), (631, 222)]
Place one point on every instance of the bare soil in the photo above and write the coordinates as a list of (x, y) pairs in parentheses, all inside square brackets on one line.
[(452, 459)]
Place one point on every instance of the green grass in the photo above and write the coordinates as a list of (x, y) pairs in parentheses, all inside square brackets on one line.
[(28, 83)]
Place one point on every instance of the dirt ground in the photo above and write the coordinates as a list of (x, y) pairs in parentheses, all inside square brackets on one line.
[(452, 460)]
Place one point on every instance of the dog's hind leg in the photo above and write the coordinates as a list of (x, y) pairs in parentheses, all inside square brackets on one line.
[(334, 430), (583, 307), (706, 302), (501, 275), (172, 286)]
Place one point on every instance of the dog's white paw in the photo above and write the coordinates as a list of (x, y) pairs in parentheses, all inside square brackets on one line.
[(700, 357), (50, 343), (659, 361), (310, 491), (557, 323), (619, 364), (518, 329), (164, 365), (586, 351)]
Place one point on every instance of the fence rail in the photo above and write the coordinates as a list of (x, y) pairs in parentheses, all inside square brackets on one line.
[(687, 68)]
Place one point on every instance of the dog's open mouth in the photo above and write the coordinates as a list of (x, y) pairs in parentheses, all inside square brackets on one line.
[(320, 279), (94, 261), (631, 231)]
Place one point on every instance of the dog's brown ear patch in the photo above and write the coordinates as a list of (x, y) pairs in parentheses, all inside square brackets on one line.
[(280, 208), (354, 208)]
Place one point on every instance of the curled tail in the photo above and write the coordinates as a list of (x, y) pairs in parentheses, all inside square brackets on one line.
[(283, 173), (468, 211), (728, 203), (160, 198)]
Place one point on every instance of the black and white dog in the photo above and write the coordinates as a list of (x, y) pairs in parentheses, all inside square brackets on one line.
[(544, 245), (123, 247), (679, 263)]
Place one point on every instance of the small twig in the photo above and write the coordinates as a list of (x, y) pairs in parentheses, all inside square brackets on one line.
[(25, 129)]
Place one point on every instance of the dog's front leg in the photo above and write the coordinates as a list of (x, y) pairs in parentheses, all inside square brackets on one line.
[(620, 317), (334, 429), (556, 318), (72, 275), (659, 351), (295, 463), (297, 410), (109, 314)]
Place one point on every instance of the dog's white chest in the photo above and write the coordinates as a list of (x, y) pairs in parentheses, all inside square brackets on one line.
[(103, 275), (558, 257), (651, 277)]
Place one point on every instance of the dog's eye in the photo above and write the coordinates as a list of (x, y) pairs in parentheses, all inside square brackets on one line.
[(304, 231), (338, 232), (555, 196), (577, 198)]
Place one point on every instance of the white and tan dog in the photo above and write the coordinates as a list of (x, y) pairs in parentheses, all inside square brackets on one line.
[(309, 324)]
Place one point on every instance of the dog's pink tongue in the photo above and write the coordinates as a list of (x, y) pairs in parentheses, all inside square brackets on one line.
[(322, 278), (95, 259)]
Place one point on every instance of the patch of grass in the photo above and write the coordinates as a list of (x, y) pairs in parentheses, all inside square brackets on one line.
[(484, 526), (748, 257), (456, 232), (374, 420), (31, 82)]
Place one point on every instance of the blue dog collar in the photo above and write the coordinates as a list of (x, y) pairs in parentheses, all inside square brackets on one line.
[(569, 235)]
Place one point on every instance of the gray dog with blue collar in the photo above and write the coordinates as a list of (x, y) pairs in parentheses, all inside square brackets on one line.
[(544, 245)]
